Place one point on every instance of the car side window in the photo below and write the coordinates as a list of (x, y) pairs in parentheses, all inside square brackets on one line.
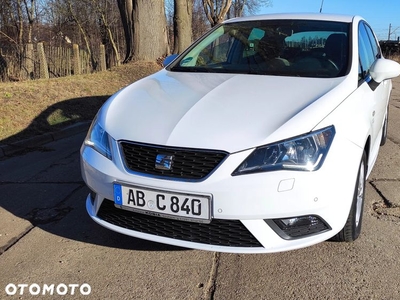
[(375, 45), (366, 52)]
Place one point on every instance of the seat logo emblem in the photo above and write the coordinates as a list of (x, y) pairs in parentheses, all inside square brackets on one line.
[(164, 162)]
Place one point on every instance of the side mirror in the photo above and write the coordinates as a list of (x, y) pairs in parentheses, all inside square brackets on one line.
[(383, 69), (169, 59)]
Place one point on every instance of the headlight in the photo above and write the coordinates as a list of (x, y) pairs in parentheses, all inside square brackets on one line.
[(98, 139), (303, 153)]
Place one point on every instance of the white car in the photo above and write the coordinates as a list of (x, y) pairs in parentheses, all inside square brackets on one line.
[(258, 138)]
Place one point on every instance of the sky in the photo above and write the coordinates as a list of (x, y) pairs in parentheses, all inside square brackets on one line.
[(378, 13)]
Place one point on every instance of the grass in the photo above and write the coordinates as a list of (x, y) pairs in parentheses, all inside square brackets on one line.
[(31, 108)]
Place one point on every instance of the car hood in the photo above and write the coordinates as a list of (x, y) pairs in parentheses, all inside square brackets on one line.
[(230, 112)]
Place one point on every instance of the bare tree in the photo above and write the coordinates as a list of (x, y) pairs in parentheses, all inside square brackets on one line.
[(182, 24), (200, 23), (60, 23), (12, 22), (216, 10), (74, 13), (247, 7), (102, 11), (30, 8), (136, 29)]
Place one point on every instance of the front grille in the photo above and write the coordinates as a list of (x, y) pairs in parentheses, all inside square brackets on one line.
[(231, 233), (192, 164)]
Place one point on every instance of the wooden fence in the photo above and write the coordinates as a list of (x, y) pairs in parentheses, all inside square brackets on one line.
[(42, 61)]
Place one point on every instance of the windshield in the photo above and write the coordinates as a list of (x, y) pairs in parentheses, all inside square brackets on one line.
[(305, 48)]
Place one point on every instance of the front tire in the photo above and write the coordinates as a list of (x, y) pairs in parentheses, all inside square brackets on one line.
[(352, 228)]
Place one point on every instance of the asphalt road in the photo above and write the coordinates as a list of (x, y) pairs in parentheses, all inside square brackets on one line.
[(49, 245)]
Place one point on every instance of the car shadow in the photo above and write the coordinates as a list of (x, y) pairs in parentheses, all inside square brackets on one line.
[(59, 116), (42, 185)]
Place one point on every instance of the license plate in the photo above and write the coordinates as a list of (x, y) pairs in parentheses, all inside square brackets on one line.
[(174, 205)]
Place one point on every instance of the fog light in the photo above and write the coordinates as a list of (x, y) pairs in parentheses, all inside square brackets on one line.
[(298, 227)]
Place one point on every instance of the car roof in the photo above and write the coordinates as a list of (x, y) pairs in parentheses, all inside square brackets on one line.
[(297, 16)]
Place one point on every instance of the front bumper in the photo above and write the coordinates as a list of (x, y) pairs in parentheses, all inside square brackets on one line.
[(242, 207)]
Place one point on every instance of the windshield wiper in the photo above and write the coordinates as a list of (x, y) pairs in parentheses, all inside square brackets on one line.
[(192, 69)]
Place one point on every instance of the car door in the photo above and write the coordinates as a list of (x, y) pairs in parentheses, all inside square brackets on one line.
[(376, 95)]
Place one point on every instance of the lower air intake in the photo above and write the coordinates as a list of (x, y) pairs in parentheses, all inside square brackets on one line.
[(230, 233)]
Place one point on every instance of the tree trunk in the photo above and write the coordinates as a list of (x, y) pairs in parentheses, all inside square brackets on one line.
[(126, 11), (145, 28), (183, 10), (150, 39), (20, 25)]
